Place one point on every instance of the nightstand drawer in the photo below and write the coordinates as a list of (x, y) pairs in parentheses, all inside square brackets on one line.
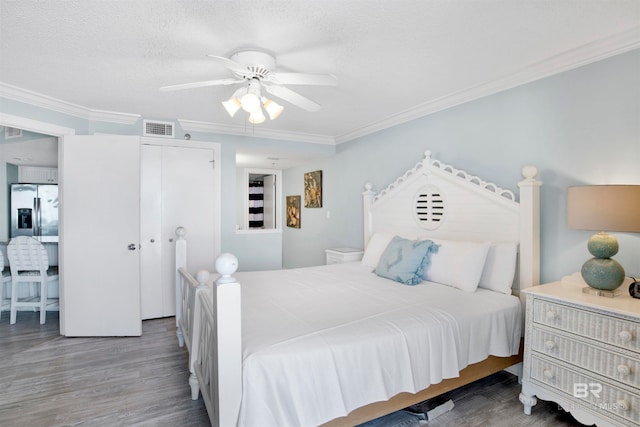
[(586, 392), (590, 357), (607, 329)]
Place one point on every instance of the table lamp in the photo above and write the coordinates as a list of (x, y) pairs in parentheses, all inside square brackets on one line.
[(603, 208)]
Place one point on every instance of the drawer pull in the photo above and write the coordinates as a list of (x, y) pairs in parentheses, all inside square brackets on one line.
[(548, 374), (549, 345), (623, 404), (625, 336), (624, 370), (551, 316)]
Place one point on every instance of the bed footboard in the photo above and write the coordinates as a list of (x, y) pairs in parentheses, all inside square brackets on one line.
[(189, 322), (218, 364)]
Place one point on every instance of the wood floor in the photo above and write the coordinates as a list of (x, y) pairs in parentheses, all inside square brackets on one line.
[(49, 380)]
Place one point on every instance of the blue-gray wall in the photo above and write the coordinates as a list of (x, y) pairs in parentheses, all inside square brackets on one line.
[(578, 127)]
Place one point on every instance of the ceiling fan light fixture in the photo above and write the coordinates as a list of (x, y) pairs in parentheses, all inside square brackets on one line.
[(273, 109), (250, 101), (232, 105), (257, 117)]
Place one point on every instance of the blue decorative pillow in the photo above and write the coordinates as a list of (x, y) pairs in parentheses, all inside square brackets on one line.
[(404, 260)]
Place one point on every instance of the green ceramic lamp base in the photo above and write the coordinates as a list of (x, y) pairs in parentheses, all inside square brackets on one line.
[(602, 272)]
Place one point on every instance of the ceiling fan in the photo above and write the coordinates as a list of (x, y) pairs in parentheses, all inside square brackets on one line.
[(256, 70)]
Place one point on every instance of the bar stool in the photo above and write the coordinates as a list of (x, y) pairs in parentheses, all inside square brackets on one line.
[(29, 263), (5, 285)]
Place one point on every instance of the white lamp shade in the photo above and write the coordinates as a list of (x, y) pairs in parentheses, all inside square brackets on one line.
[(257, 117), (232, 106), (273, 109)]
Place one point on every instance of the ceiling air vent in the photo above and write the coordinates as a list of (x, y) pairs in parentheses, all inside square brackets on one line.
[(429, 207), (12, 132), (156, 128)]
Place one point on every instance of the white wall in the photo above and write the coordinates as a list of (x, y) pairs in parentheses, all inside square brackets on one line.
[(578, 127)]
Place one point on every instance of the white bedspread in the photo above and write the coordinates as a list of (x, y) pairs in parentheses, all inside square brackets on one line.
[(319, 342)]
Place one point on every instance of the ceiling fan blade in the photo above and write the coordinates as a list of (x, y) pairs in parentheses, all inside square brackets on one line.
[(292, 97), (303, 79), (230, 64), (222, 82)]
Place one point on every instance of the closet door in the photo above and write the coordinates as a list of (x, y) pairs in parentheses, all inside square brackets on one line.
[(177, 190), (151, 297), (100, 232)]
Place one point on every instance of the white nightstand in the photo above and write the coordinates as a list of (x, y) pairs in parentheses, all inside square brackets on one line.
[(340, 255), (582, 351)]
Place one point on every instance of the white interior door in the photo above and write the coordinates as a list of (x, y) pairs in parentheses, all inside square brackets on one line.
[(151, 280), (100, 233)]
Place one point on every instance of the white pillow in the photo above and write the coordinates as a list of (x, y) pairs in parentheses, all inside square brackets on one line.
[(377, 244), (458, 264), (500, 267)]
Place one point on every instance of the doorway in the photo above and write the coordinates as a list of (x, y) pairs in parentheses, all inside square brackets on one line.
[(261, 191), (55, 132)]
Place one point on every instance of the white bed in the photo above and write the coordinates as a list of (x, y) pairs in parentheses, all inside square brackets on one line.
[(338, 344)]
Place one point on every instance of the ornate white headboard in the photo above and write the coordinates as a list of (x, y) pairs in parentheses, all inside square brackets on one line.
[(437, 200)]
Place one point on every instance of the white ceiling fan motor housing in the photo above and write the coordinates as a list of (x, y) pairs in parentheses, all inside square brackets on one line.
[(259, 63)]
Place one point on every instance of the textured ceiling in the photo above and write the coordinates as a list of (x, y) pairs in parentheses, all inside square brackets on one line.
[(394, 60)]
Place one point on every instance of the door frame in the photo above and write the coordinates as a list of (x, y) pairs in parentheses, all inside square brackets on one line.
[(277, 211), (59, 132)]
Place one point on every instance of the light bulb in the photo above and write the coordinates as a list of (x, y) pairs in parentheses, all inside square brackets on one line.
[(250, 102)]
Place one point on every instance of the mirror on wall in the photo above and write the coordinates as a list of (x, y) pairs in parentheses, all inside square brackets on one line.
[(260, 200)]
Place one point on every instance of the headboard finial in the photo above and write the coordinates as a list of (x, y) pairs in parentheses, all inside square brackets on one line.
[(368, 186), (529, 172), (427, 155), (181, 232)]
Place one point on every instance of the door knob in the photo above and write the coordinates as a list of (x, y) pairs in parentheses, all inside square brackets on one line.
[(153, 240), (132, 246)]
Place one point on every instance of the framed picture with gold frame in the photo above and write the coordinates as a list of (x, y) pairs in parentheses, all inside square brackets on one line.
[(293, 211), (313, 189)]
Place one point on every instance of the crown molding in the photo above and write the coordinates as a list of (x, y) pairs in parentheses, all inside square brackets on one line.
[(254, 132), (583, 55), (43, 101), (34, 125)]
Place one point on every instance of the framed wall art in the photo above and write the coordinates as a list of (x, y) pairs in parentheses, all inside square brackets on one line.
[(313, 189), (293, 211)]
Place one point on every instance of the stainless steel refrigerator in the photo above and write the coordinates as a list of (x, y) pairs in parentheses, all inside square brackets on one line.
[(34, 211)]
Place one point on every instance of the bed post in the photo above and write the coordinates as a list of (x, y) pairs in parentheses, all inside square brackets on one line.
[(181, 262), (228, 342), (367, 199), (529, 228)]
